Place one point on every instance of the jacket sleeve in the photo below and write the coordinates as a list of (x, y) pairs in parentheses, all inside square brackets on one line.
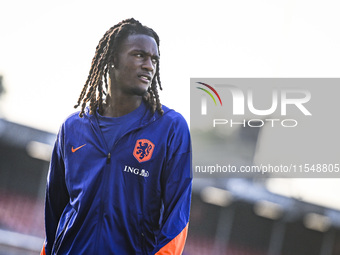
[(176, 189), (56, 197)]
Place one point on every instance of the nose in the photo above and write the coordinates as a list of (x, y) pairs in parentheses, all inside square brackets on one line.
[(148, 64)]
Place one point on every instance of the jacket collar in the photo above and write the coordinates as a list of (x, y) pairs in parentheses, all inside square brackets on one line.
[(147, 118)]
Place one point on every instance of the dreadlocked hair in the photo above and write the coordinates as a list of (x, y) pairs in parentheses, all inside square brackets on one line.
[(106, 50)]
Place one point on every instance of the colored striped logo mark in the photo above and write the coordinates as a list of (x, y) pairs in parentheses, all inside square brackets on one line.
[(209, 93), (204, 100)]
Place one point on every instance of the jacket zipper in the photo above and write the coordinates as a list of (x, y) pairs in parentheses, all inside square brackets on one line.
[(108, 160), (102, 204)]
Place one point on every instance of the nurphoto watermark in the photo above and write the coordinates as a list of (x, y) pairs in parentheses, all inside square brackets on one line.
[(265, 127)]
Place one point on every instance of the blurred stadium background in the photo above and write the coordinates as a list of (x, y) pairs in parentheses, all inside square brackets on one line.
[(228, 216)]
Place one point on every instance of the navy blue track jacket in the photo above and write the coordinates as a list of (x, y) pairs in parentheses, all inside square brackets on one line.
[(133, 198)]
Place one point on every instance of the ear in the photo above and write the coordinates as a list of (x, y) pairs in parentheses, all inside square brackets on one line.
[(113, 64), (111, 68)]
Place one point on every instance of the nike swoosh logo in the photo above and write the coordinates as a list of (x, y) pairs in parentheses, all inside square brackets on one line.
[(75, 149)]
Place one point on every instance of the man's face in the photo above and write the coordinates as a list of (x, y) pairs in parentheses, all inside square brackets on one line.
[(135, 65)]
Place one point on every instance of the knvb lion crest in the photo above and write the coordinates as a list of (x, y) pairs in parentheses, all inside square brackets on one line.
[(143, 150)]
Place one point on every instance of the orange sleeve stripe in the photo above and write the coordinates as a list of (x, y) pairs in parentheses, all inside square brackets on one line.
[(176, 245), (43, 251)]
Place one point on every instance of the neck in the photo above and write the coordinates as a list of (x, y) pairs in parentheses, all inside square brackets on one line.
[(118, 105)]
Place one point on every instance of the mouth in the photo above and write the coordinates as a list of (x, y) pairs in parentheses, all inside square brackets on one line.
[(145, 78)]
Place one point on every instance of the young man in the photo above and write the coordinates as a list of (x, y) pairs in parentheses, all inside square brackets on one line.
[(120, 175)]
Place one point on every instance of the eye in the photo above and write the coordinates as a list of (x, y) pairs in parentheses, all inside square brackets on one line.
[(154, 61)]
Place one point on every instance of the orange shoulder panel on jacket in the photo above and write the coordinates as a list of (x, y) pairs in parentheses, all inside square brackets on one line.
[(176, 245), (43, 251)]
